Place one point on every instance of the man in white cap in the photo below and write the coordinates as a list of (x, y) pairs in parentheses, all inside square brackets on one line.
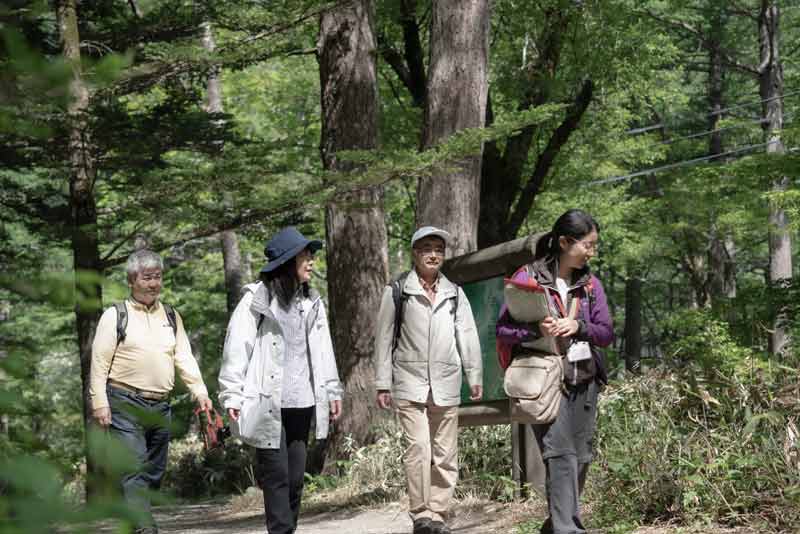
[(425, 337)]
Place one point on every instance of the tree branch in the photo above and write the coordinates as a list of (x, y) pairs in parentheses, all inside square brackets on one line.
[(545, 160), (687, 28)]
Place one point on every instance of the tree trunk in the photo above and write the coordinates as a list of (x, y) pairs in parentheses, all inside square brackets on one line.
[(771, 91), (231, 255), (456, 99), (357, 244), (633, 324), (721, 266), (83, 209)]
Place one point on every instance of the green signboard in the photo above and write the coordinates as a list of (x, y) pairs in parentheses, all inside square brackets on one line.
[(486, 297)]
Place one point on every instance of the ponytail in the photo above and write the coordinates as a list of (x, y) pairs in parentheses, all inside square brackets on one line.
[(574, 224), (547, 245)]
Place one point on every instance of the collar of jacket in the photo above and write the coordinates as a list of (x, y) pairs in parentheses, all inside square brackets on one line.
[(262, 299), (545, 269), (413, 286)]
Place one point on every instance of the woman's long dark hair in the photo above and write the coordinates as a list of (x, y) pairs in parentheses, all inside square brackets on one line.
[(574, 224), (283, 282)]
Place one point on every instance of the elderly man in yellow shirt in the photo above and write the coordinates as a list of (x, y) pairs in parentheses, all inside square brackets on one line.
[(131, 379)]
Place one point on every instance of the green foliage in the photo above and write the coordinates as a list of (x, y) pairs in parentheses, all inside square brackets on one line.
[(193, 472), (682, 446)]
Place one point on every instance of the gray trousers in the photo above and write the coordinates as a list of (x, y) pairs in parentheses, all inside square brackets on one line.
[(566, 446)]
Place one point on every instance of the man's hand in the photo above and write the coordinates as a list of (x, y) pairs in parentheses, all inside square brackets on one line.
[(102, 416), (233, 413), (476, 392), (336, 409), (205, 405), (384, 399)]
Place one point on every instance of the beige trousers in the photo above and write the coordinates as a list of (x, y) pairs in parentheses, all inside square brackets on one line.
[(431, 456)]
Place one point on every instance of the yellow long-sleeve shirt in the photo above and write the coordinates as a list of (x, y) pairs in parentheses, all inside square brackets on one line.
[(148, 356)]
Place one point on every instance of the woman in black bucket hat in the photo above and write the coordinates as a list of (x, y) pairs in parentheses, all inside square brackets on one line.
[(278, 372)]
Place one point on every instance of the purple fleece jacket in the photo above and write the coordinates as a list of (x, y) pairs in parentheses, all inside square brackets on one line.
[(594, 322)]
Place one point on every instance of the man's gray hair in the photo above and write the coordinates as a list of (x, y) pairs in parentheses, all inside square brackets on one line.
[(142, 259)]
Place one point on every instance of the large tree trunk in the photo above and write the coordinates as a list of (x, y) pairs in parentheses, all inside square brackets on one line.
[(771, 90), (357, 244), (231, 255), (85, 244), (633, 324), (456, 99), (721, 267)]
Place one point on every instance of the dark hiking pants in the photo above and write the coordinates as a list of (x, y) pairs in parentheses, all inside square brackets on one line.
[(566, 446), (281, 471), (141, 425)]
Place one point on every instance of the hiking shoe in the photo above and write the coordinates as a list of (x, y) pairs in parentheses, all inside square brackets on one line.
[(423, 526), (547, 526), (438, 527)]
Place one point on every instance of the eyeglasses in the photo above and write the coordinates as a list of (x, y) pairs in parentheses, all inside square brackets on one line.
[(593, 246), (430, 251)]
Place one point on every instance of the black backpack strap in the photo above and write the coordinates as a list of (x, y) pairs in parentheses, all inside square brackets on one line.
[(399, 298), (122, 326), (122, 320), (171, 317)]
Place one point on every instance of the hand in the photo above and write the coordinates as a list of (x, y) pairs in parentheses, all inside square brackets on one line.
[(476, 392), (102, 416), (566, 327), (233, 413), (336, 409), (384, 399), (205, 404), (548, 327)]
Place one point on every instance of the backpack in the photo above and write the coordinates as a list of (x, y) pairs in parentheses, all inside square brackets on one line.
[(504, 352), (399, 298), (122, 319)]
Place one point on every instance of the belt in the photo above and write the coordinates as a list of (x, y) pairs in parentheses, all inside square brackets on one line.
[(150, 395)]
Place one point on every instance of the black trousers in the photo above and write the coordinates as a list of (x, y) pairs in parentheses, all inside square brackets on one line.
[(281, 471)]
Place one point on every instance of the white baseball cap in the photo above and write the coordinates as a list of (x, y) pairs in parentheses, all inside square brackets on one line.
[(426, 231)]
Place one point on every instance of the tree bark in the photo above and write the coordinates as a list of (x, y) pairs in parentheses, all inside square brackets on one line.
[(721, 266), (357, 244), (633, 324), (456, 99), (83, 209), (771, 91), (231, 254)]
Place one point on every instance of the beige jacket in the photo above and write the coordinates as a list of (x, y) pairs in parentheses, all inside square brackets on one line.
[(433, 348)]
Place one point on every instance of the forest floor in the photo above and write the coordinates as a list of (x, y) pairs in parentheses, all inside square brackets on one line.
[(245, 515)]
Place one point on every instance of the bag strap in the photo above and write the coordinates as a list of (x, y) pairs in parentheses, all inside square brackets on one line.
[(399, 298), (172, 318), (122, 326)]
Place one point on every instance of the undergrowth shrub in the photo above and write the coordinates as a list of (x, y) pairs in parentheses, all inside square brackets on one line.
[(192, 472), (709, 437)]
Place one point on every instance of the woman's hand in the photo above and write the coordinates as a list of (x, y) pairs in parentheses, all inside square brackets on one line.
[(566, 327), (233, 414), (548, 327), (336, 409)]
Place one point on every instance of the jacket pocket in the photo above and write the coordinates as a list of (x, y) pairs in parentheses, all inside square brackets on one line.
[(410, 368), (253, 416), (447, 375)]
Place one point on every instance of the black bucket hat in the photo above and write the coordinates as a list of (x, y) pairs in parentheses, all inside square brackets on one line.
[(285, 245)]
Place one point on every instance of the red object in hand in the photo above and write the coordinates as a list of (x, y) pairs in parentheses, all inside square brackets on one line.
[(529, 285), (212, 428)]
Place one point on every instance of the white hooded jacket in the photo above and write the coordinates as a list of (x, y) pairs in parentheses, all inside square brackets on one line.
[(251, 376)]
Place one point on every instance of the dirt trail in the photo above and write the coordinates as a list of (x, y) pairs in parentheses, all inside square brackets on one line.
[(477, 517), (387, 519)]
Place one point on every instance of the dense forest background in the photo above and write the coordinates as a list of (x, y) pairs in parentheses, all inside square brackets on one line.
[(200, 128)]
